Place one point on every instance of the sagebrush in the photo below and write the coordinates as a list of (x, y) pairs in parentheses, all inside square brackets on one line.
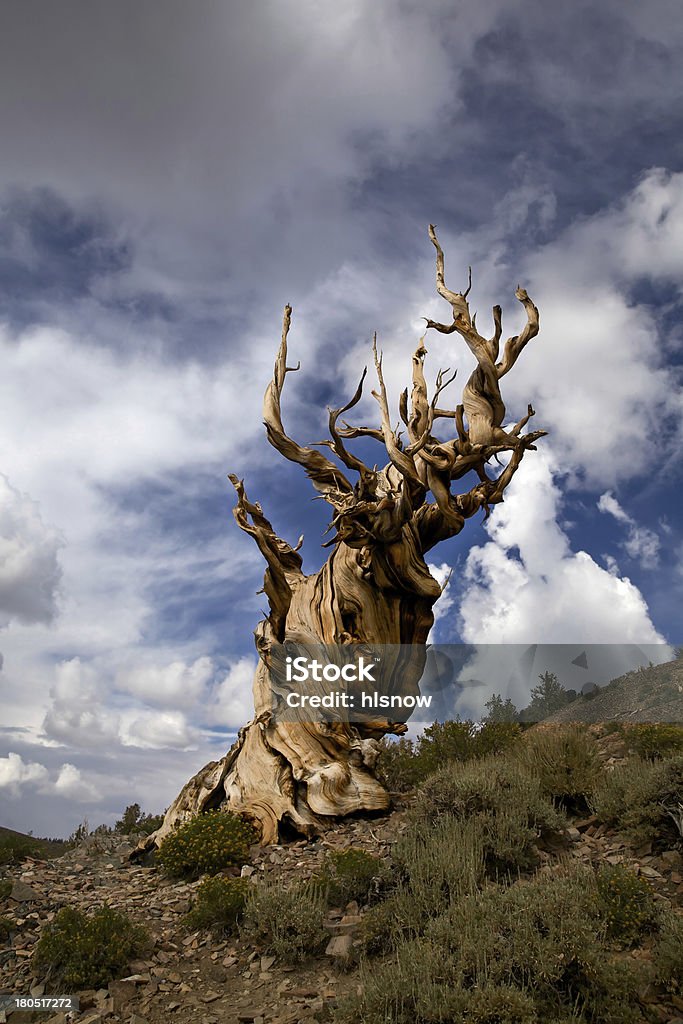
[(78, 950), (286, 922), (219, 905)]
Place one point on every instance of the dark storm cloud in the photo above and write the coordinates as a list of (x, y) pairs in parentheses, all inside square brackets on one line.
[(245, 151), (192, 123), (51, 254)]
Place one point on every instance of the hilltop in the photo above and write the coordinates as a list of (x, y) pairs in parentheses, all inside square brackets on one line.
[(16, 845), (653, 694)]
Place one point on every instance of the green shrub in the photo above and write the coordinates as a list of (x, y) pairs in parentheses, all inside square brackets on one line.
[(609, 797), (286, 922), (219, 905), (436, 866), (5, 888), (655, 741), (533, 951), (7, 926), (385, 925), (612, 728), (626, 904), (668, 953), (88, 951), (496, 738), (403, 765), (565, 761), (206, 844), (398, 767), (421, 986), (489, 786), (353, 874), (515, 816), (642, 799), (443, 742)]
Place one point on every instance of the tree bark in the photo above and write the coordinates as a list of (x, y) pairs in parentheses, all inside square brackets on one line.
[(375, 587)]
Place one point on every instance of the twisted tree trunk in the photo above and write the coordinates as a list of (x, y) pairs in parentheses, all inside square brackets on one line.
[(375, 587)]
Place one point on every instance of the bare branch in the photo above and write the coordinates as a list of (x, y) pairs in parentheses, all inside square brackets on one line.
[(403, 463), (497, 331), (460, 426), (514, 346), (523, 422), (418, 421), (457, 300), (337, 444), (482, 400), (350, 432), (283, 561), (325, 476)]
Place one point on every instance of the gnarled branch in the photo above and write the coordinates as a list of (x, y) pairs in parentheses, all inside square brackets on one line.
[(324, 474)]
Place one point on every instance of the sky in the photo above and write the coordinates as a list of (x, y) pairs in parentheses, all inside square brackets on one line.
[(172, 175)]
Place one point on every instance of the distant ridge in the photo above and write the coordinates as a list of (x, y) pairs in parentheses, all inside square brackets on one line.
[(42, 847), (652, 694)]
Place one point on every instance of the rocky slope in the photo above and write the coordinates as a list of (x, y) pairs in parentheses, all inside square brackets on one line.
[(192, 978), (652, 694)]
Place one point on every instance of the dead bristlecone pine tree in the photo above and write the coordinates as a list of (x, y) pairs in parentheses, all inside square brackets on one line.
[(375, 587)]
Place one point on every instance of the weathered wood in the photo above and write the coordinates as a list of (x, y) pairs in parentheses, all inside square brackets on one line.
[(375, 587)]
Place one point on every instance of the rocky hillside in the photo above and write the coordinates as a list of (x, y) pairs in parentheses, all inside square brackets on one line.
[(191, 977), (652, 694)]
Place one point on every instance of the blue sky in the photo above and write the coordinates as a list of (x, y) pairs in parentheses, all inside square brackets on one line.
[(171, 177)]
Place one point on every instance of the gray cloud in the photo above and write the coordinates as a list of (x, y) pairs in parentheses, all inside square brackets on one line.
[(30, 572)]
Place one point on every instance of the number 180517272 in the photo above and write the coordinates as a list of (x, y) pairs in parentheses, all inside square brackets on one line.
[(9, 1003)]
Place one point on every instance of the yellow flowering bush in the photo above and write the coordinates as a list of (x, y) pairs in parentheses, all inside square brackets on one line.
[(626, 903), (655, 740), (206, 844)]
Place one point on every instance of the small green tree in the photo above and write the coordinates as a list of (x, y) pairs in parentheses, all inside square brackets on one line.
[(131, 817), (500, 710), (133, 820), (546, 698)]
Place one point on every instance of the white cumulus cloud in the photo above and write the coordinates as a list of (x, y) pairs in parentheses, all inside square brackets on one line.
[(15, 773), (177, 685), (443, 605), (641, 544), (77, 715), (232, 705), (71, 784), (526, 585), (157, 730)]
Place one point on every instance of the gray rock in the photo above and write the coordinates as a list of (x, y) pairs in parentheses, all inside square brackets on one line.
[(23, 893), (339, 946), (121, 993)]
